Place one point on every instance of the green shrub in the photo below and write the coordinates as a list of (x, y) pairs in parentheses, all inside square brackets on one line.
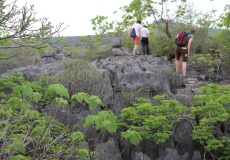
[(148, 121), (79, 76), (212, 111), (28, 134), (16, 58), (76, 51), (204, 63)]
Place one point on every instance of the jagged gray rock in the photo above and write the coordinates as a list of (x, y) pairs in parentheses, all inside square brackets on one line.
[(132, 74), (48, 64), (117, 42), (149, 72), (172, 154), (108, 150), (34, 72), (140, 156), (196, 156), (182, 137)]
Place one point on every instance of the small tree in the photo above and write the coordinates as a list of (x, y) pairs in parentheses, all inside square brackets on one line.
[(20, 28), (101, 27), (225, 18)]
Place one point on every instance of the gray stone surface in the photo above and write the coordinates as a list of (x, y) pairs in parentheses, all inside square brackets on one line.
[(154, 74), (108, 150)]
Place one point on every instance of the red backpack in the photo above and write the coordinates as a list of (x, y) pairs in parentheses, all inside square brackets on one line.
[(182, 39)]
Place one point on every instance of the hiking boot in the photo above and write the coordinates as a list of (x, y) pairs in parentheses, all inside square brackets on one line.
[(134, 56), (183, 76), (177, 74)]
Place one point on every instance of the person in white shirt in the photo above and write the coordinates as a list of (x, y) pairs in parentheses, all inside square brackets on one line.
[(137, 26), (145, 40)]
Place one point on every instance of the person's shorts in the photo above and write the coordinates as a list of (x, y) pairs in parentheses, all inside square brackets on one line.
[(136, 40), (181, 52)]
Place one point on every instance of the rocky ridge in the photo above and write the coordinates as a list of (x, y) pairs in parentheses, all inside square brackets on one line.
[(155, 74)]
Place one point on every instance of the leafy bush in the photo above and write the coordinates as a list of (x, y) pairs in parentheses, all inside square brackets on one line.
[(147, 121), (76, 52), (11, 81), (128, 44), (205, 63), (96, 47), (212, 111), (222, 41), (129, 97), (28, 134), (79, 76)]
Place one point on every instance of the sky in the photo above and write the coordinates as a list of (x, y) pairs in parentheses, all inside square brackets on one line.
[(78, 13)]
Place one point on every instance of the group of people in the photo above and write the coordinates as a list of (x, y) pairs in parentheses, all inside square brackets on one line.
[(142, 34)]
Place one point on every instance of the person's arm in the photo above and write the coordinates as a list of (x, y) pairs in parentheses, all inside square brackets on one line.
[(129, 32), (148, 35), (189, 45)]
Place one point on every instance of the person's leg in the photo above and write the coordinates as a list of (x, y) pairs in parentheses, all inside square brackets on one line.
[(136, 42), (184, 67), (147, 48), (177, 62), (143, 46), (134, 46), (184, 61), (137, 49), (177, 58)]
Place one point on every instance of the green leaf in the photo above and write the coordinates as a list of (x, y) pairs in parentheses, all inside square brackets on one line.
[(72, 104), (93, 105), (58, 89), (36, 97), (94, 101), (18, 145), (2, 135), (83, 153), (80, 97), (17, 90), (32, 114), (99, 122), (39, 130), (103, 114), (19, 157), (89, 119), (135, 138), (63, 103), (132, 136), (111, 127), (214, 145), (77, 136), (27, 90)]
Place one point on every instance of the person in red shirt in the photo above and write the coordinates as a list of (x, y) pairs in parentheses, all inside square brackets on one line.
[(137, 26)]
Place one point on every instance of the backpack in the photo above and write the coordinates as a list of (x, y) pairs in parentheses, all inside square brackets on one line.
[(133, 33), (182, 39)]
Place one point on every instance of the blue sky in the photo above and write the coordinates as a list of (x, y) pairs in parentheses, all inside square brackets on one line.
[(77, 13)]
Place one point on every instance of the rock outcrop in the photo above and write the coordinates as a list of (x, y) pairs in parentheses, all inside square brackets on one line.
[(155, 75)]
